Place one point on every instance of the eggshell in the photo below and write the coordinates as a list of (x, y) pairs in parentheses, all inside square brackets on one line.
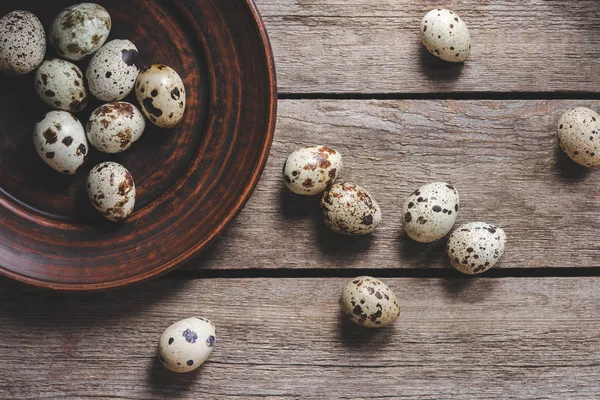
[(59, 139), (579, 136), (22, 44), (60, 84), (113, 70), (445, 35), (187, 344), (161, 93), (430, 212), (350, 210), (475, 247), (80, 30), (111, 190), (369, 302), (114, 127), (310, 170)]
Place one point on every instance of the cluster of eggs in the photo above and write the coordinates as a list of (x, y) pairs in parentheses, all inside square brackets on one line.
[(60, 139)]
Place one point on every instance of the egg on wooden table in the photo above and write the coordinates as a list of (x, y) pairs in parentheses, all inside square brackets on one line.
[(579, 136), (111, 190), (430, 212), (310, 170), (59, 139), (59, 84), (114, 127), (350, 210), (187, 344), (22, 43), (476, 247), (445, 35), (80, 30), (112, 71), (369, 302), (161, 93)]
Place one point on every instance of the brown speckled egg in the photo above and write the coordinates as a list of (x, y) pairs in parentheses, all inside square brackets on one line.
[(445, 35), (310, 170), (59, 84), (111, 190), (350, 210), (114, 127), (475, 247), (22, 43), (187, 344), (579, 136), (369, 302)]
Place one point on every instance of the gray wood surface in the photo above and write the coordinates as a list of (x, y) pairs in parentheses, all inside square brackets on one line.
[(285, 338), (359, 46), (501, 155)]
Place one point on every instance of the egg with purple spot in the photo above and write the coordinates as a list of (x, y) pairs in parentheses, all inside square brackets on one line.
[(187, 344)]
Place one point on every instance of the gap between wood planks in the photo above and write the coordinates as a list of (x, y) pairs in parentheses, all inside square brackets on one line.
[(443, 96)]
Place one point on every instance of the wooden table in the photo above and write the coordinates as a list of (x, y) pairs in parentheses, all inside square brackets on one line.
[(353, 75)]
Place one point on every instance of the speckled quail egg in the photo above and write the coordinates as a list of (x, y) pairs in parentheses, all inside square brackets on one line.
[(114, 127), (161, 93), (445, 35), (475, 247), (187, 344), (430, 212), (579, 136), (59, 139), (310, 170), (350, 210), (111, 190), (22, 44), (369, 302), (80, 30), (60, 84), (113, 70)]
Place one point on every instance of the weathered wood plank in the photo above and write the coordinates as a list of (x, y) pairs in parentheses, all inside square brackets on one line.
[(365, 46), (502, 156), (285, 338)]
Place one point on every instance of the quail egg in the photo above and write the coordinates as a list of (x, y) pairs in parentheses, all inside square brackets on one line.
[(369, 302), (161, 93), (445, 35), (60, 84), (80, 30), (23, 43), (430, 212), (475, 247), (114, 127), (187, 344), (113, 70), (111, 190), (579, 136), (350, 210), (59, 140), (310, 170)]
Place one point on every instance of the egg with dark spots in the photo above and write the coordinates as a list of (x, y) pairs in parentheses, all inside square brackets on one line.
[(22, 43), (114, 127), (445, 35), (60, 85), (579, 136), (59, 140), (161, 93), (111, 190), (349, 209), (113, 70), (310, 170), (476, 247), (430, 212), (187, 344), (369, 302), (80, 30)]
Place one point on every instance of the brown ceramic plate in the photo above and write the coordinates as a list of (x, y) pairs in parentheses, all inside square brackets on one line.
[(191, 180)]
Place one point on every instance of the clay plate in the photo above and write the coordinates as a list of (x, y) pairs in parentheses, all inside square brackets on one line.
[(191, 180)]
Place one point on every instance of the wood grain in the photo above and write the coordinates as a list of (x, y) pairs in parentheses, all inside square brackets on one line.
[(358, 46), (501, 155), (285, 338)]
